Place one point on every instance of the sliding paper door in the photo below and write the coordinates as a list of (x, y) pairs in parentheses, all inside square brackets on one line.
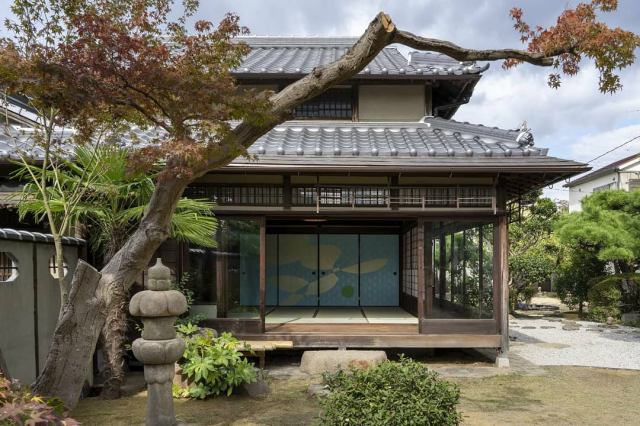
[(298, 270), (338, 264), (379, 268)]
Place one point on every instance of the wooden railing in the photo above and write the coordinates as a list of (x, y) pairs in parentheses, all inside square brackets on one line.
[(345, 196)]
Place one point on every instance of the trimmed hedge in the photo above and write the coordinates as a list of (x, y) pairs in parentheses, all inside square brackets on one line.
[(392, 393)]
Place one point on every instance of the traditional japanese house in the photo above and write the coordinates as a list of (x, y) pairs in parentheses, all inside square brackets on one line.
[(371, 220)]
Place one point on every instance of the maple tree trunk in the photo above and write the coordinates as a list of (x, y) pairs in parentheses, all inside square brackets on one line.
[(74, 338), (114, 331), (113, 338)]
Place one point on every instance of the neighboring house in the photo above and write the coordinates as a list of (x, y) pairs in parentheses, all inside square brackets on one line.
[(372, 219), (622, 174)]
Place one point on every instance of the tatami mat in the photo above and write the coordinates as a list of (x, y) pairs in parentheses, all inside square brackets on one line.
[(339, 315)]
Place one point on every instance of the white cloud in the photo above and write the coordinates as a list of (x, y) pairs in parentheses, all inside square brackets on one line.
[(557, 117)]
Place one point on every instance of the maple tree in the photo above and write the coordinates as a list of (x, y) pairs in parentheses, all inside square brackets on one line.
[(128, 65)]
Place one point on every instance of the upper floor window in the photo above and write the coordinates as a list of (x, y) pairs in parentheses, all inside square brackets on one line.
[(334, 104)]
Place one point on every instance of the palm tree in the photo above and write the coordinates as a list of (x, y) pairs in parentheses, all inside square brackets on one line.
[(113, 204)]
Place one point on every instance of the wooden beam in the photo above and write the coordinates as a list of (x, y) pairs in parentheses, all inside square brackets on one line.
[(263, 268), (462, 326), (421, 277), (336, 340)]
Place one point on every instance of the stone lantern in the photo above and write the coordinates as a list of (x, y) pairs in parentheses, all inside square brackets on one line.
[(159, 347)]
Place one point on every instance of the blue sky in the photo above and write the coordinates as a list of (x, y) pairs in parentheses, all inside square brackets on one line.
[(575, 121)]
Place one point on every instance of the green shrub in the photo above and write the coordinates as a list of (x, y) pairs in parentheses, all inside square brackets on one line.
[(212, 365), (393, 393), (604, 299), (19, 407)]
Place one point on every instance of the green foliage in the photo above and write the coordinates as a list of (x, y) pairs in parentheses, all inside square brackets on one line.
[(575, 275), (604, 299), (392, 393), (212, 365), (188, 318), (607, 230), (114, 200), (608, 225), (533, 250), (19, 407)]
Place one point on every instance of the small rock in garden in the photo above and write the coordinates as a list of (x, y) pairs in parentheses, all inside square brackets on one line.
[(595, 329), (318, 390), (555, 319), (317, 362), (529, 327), (610, 320), (547, 327), (257, 388), (570, 327)]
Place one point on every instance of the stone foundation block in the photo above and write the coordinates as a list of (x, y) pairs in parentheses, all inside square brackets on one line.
[(318, 362)]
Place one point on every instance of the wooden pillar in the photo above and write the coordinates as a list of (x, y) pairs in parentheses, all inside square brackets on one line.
[(263, 268), (480, 268), (222, 274), (428, 240), (421, 282), (501, 280), (454, 262), (443, 266), (464, 268)]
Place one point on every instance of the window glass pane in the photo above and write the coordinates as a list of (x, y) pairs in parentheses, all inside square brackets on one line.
[(241, 247), (467, 290), (487, 270), (233, 265), (333, 104)]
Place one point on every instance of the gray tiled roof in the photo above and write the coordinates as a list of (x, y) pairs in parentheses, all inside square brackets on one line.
[(432, 143), (300, 55), (430, 137)]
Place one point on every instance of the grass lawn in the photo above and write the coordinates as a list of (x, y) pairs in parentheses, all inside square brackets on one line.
[(566, 395)]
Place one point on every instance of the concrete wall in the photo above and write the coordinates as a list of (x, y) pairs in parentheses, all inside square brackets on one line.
[(29, 307), (392, 103)]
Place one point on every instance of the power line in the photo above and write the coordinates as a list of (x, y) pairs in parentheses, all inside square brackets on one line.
[(615, 148)]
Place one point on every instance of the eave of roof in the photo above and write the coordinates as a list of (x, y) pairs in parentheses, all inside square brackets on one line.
[(609, 168), (430, 145)]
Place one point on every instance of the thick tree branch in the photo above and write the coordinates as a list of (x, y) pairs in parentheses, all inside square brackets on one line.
[(462, 54)]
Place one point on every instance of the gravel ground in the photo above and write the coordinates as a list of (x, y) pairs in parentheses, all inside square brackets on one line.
[(545, 342)]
